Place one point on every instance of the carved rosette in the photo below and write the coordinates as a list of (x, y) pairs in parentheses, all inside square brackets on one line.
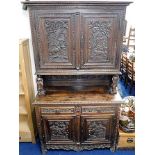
[(98, 40), (57, 36)]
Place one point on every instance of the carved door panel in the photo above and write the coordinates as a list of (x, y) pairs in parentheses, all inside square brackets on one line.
[(56, 39), (96, 129), (99, 34), (59, 129)]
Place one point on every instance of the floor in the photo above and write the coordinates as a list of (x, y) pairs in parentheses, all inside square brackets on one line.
[(123, 91), (34, 149)]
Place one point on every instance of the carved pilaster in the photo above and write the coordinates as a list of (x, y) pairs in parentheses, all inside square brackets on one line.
[(114, 84), (40, 86), (40, 132)]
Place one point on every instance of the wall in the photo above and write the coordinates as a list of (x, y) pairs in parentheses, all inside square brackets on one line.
[(24, 31)]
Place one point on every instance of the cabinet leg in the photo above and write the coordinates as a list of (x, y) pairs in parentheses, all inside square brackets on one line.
[(113, 149), (44, 151), (114, 84)]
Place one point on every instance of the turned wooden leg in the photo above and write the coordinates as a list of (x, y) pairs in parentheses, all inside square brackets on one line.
[(113, 149), (40, 86), (43, 150), (114, 84)]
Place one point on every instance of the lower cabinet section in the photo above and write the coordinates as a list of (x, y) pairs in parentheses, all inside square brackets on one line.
[(76, 129)]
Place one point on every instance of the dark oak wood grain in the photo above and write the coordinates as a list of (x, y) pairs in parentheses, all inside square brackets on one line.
[(78, 120), (77, 48)]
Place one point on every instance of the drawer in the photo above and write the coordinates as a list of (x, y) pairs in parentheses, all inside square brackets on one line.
[(58, 110), (98, 109), (126, 142)]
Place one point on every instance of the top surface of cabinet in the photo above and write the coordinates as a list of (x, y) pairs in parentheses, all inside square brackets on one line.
[(75, 38), (76, 2), (89, 97)]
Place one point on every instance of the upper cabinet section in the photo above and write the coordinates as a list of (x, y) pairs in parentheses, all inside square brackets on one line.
[(75, 38)]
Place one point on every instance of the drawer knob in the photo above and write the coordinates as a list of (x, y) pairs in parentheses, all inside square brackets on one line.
[(77, 68), (130, 140)]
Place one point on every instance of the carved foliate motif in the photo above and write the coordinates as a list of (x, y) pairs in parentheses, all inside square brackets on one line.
[(99, 32), (57, 110), (57, 36), (78, 148), (98, 109), (59, 129), (96, 129)]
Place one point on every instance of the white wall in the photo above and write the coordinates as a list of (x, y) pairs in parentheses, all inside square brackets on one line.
[(24, 31)]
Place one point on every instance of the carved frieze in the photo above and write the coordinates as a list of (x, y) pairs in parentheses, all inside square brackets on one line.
[(76, 77), (57, 36), (57, 110), (99, 32), (98, 109), (78, 148)]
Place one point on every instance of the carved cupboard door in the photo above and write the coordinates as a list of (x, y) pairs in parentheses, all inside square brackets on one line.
[(99, 35), (97, 129), (59, 129), (55, 39)]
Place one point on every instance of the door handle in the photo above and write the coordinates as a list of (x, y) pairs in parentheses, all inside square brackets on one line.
[(82, 40), (130, 140)]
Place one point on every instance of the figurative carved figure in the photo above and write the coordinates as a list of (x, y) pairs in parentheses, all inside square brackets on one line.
[(40, 88), (114, 84)]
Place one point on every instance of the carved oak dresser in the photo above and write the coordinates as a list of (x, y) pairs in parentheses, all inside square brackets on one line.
[(77, 47)]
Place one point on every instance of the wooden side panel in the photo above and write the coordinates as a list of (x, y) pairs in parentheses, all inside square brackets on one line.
[(26, 94)]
